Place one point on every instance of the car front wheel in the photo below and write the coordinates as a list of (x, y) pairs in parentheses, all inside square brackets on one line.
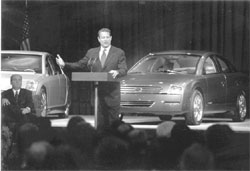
[(195, 114), (239, 114)]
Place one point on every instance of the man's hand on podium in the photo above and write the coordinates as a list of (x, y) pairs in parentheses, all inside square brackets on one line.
[(114, 73)]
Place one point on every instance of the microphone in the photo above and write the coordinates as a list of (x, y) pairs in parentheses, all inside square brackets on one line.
[(91, 62)]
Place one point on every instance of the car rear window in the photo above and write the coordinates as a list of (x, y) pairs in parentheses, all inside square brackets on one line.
[(21, 63)]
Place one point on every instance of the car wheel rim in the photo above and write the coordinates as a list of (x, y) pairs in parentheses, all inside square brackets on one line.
[(43, 104), (198, 108), (242, 106)]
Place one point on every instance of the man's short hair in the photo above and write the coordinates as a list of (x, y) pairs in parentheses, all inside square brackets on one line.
[(11, 77), (104, 30)]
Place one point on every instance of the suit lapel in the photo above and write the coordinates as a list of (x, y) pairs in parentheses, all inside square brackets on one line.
[(97, 67), (97, 52), (12, 95)]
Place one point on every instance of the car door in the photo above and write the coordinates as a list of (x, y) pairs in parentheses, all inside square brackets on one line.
[(52, 84), (63, 83), (233, 79), (216, 85)]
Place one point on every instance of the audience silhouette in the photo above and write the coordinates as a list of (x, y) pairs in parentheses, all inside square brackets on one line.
[(79, 146)]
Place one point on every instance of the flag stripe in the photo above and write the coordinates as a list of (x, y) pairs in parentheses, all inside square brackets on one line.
[(25, 44)]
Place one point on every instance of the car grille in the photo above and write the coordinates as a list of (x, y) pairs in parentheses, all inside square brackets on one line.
[(136, 103), (140, 89)]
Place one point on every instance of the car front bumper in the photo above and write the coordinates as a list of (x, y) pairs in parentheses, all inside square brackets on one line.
[(152, 104)]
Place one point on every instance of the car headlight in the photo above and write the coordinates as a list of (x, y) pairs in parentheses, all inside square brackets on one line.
[(31, 85), (175, 89)]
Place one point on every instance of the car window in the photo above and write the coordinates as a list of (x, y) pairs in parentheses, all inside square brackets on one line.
[(48, 69), (224, 67), (53, 69), (49, 66), (21, 63), (143, 66), (209, 67), (181, 63), (55, 66)]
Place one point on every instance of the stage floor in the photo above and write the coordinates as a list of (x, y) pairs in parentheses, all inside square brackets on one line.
[(150, 122)]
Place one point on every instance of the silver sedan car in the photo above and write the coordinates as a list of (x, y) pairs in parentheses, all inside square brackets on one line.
[(48, 83), (189, 83)]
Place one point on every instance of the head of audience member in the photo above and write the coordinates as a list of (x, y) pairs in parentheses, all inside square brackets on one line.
[(26, 135), (181, 134), (40, 156), (121, 129), (84, 137), (115, 124), (43, 123), (73, 122), (46, 131), (138, 139), (218, 136), (196, 157), (181, 137), (164, 129), (198, 137), (165, 149), (66, 158), (138, 144), (111, 153)]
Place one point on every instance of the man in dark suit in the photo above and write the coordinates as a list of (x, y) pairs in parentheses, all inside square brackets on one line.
[(17, 103), (106, 58)]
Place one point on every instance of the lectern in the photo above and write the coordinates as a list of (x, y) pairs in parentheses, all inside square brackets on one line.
[(95, 77)]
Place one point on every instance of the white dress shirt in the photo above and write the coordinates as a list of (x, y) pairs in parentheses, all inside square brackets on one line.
[(101, 51), (14, 91)]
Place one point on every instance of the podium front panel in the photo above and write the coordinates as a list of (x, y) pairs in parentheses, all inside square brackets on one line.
[(92, 76)]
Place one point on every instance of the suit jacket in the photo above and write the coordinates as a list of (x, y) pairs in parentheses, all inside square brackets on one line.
[(116, 60), (13, 111)]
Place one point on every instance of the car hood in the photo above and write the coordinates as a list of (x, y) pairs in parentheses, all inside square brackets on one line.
[(26, 76), (156, 78)]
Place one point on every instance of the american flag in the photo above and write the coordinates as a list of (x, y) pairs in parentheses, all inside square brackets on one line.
[(25, 44)]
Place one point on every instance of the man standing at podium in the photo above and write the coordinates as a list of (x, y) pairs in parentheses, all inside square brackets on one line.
[(105, 58)]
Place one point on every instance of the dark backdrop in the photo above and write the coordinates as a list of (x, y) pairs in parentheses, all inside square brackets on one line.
[(138, 27)]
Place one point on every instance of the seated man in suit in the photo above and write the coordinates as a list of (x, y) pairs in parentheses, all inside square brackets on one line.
[(17, 104)]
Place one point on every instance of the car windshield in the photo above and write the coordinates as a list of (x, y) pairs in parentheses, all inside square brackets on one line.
[(181, 63), (21, 63)]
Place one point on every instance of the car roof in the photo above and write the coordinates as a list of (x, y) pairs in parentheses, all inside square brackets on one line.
[(190, 52), (24, 52)]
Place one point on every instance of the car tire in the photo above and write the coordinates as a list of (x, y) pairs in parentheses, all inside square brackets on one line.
[(165, 117), (43, 102), (196, 111), (240, 112)]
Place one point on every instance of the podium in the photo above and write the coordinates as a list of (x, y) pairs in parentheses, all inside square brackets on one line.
[(95, 77)]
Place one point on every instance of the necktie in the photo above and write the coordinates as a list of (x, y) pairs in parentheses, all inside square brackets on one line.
[(103, 57), (16, 96)]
